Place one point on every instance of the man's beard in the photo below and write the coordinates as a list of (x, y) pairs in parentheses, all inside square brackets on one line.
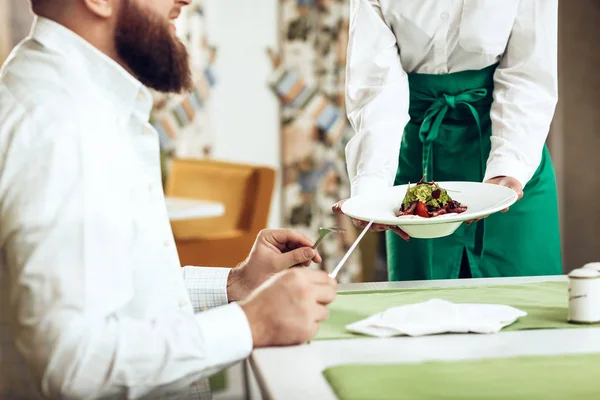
[(151, 52)]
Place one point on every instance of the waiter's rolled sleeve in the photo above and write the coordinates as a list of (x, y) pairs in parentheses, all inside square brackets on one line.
[(377, 99), (526, 92)]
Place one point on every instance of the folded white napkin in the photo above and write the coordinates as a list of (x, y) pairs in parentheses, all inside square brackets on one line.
[(437, 316)]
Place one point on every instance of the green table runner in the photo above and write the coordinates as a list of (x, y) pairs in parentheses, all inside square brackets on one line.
[(546, 305), (531, 378)]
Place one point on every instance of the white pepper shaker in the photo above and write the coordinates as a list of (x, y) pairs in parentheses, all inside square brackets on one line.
[(584, 296)]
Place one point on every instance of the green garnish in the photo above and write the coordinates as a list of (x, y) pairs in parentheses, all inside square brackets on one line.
[(429, 193)]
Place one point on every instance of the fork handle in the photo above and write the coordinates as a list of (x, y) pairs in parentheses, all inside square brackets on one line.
[(319, 240)]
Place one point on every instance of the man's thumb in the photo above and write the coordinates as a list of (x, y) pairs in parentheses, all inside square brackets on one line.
[(301, 256)]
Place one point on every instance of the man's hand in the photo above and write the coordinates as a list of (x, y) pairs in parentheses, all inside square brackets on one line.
[(337, 209), (287, 309), (510, 183), (274, 251)]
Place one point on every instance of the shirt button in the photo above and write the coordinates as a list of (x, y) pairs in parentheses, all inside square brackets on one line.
[(444, 16), (167, 243), (182, 303)]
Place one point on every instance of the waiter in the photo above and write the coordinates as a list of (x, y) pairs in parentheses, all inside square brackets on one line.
[(458, 90)]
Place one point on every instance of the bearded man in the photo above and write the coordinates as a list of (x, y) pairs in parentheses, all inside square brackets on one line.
[(93, 302)]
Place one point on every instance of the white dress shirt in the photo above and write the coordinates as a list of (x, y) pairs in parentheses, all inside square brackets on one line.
[(390, 38), (93, 303)]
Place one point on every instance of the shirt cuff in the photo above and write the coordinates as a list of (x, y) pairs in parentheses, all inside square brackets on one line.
[(225, 325), (207, 287), (367, 184), (504, 167)]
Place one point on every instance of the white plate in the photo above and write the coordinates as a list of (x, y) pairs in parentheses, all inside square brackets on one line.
[(481, 200)]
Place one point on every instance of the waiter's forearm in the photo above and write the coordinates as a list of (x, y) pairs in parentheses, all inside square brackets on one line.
[(377, 99), (372, 156), (526, 92)]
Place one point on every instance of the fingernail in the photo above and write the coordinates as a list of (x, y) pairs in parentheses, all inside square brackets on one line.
[(309, 253)]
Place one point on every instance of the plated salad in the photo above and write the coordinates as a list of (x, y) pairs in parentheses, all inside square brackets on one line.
[(428, 200)]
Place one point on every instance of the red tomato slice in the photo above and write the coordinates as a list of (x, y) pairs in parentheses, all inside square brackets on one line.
[(422, 210)]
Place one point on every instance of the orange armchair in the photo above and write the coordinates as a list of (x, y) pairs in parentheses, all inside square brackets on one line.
[(245, 191)]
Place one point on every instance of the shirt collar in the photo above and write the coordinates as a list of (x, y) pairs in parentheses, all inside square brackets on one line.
[(123, 89)]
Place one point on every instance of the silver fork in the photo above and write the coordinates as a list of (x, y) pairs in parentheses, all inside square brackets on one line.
[(324, 232)]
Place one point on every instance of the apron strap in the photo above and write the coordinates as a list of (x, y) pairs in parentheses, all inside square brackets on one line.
[(434, 117)]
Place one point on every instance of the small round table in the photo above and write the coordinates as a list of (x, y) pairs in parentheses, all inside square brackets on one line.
[(180, 209)]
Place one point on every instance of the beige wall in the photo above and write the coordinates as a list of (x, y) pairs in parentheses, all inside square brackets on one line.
[(575, 140), (21, 19), (15, 24), (5, 37)]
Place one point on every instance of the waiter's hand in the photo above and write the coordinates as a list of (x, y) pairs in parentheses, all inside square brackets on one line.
[(509, 182), (337, 209)]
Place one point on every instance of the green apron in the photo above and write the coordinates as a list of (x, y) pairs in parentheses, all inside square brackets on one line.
[(448, 139)]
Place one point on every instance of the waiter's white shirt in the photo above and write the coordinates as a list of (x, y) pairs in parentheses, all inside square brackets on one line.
[(93, 302), (390, 38)]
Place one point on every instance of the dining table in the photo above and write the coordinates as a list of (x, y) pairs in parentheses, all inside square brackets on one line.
[(298, 372)]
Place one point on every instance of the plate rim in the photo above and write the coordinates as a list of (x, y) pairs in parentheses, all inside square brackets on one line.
[(507, 202)]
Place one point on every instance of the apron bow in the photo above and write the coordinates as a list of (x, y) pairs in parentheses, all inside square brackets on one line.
[(434, 116)]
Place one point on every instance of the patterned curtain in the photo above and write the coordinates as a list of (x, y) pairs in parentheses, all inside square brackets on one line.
[(308, 79)]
